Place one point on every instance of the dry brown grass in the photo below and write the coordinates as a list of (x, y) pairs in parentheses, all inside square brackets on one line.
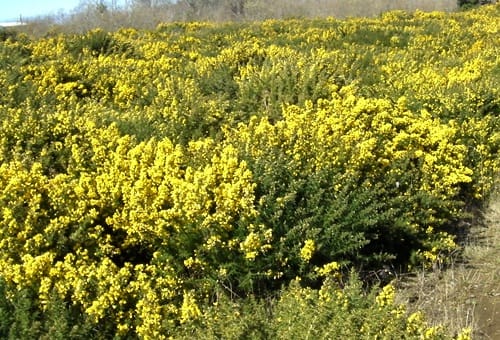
[(468, 293), (86, 18), (342, 8)]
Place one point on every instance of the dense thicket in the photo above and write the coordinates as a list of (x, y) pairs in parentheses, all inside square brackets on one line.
[(160, 183)]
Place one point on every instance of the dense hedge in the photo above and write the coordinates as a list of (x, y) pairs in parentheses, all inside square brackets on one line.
[(154, 183)]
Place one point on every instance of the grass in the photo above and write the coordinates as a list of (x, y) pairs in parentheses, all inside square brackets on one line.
[(467, 294), (89, 16)]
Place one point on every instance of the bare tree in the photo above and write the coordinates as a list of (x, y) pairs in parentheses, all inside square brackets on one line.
[(150, 3), (238, 7), (234, 7)]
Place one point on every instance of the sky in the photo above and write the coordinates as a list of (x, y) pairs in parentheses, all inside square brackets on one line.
[(10, 10)]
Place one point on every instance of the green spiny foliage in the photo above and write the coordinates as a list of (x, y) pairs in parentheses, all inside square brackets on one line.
[(154, 181)]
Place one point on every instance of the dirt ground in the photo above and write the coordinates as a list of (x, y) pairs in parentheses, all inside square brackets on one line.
[(487, 289), (468, 293)]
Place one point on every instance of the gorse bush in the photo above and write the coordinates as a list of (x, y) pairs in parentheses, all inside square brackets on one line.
[(467, 4), (324, 313), (225, 178)]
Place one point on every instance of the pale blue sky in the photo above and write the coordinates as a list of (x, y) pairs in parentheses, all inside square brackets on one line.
[(10, 10)]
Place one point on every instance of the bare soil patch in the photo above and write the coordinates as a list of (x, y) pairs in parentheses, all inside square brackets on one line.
[(487, 290), (468, 293)]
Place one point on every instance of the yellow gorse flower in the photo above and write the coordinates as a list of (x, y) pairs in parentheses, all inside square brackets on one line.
[(132, 162), (307, 251)]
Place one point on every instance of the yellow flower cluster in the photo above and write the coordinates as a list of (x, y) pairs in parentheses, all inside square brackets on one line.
[(381, 317), (329, 269), (140, 171), (189, 309), (386, 296), (98, 238), (256, 242), (306, 253)]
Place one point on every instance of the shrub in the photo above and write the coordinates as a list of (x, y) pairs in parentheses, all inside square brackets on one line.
[(145, 174)]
